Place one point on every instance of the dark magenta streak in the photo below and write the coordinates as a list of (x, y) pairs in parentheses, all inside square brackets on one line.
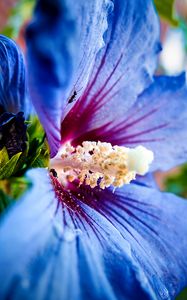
[(128, 125), (145, 131), (100, 100), (91, 84), (94, 97)]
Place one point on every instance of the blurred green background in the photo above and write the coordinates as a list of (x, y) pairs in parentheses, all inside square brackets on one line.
[(14, 15)]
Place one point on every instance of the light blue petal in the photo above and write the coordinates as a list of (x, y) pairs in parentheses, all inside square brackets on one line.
[(164, 129), (12, 77), (62, 39), (122, 70), (158, 120), (155, 225), (128, 244), (146, 180), (65, 250)]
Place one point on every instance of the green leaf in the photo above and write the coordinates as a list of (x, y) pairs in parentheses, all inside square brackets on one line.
[(8, 169), (4, 158), (12, 189), (176, 182), (41, 160), (22, 161), (35, 130), (5, 201), (182, 295), (165, 10), (17, 186), (36, 154)]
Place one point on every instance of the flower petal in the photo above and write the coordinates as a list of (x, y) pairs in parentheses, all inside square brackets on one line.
[(67, 251), (12, 77), (158, 120), (122, 70), (63, 36), (161, 123), (146, 180), (155, 226)]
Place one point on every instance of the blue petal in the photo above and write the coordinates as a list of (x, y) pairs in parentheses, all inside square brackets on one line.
[(65, 252), (131, 244), (12, 77), (146, 180), (158, 120), (122, 70), (155, 225), (63, 35), (165, 129)]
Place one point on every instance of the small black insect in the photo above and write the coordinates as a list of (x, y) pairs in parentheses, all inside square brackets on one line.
[(54, 173), (72, 97)]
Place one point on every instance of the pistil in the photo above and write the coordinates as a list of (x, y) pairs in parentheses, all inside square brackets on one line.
[(101, 164)]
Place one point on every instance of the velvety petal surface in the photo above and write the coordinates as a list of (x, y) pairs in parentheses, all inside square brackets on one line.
[(64, 250), (12, 77), (122, 70), (63, 36)]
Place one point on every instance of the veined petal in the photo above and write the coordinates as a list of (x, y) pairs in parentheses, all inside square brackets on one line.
[(92, 24), (130, 244), (62, 40), (155, 226), (161, 122), (122, 70), (65, 250), (158, 120), (12, 77)]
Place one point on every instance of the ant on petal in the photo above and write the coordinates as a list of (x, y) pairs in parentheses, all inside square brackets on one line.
[(73, 96)]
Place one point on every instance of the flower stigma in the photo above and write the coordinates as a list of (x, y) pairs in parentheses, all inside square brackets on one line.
[(101, 164)]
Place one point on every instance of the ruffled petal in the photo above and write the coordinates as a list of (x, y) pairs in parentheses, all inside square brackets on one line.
[(62, 39), (65, 250), (122, 70), (155, 225), (12, 77)]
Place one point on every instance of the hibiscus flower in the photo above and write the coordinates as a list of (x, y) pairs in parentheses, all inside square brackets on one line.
[(80, 231)]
